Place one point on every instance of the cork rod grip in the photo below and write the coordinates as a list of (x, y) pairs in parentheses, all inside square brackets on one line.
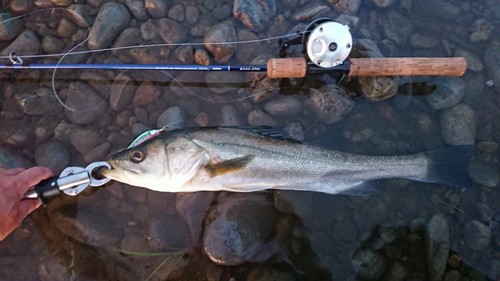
[(407, 66), (286, 68)]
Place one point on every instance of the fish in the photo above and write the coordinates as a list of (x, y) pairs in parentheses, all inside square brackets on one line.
[(253, 159)]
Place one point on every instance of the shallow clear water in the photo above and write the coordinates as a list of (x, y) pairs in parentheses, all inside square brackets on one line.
[(124, 233)]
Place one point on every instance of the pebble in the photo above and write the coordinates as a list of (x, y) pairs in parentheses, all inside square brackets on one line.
[(157, 8), (98, 153), (485, 213), (9, 160), (167, 233), (484, 174), (84, 139), (17, 133), (295, 131), (384, 3), (173, 117), (346, 6), (202, 57), (192, 14), (397, 27), (53, 155), (223, 82), (477, 235), (458, 125), (122, 92), (240, 229), (223, 32), (230, 116), (258, 117), (310, 12), (66, 28), (137, 8), (87, 105), (27, 43), (20, 6), (423, 41), (145, 94), (448, 93), (368, 264), (9, 29), (437, 243), (170, 31), (177, 13), (112, 19), (397, 272), (40, 101), (52, 45), (330, 103), (148, 30), (255, 15), (439, 9), (193, 207), (139, 128), (481, 30), (491, 58), (202, 119), (283, 107), (246, 52), (184, 54), (80, 15), (474, 63)]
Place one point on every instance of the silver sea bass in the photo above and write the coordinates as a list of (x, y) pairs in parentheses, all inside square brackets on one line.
[(250, 159)]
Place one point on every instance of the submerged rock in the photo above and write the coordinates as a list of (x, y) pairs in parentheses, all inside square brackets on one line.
[(437, 243), (368, 264), (221, 33), (330, 103), (27, 43), (53, 155), (458, 125), (477, 235), (255, 15), (483, 174), (40, 101), (9, 28), (346, 6), (448, 93), (85, 106), (112, 19), (491, 58)]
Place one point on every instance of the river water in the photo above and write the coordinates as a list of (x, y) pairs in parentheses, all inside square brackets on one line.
[(395, 230)]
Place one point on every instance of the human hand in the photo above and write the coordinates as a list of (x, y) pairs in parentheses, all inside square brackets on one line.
[(13, 184)]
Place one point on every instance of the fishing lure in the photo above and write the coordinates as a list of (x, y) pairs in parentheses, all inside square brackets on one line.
[(146, 136)]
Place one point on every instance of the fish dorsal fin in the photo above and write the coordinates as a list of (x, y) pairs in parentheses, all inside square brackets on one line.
[(271, 132), (229, 166)]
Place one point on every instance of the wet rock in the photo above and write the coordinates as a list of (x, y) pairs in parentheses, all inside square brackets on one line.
[(9, 160), (230, 117), (491, 58), (384, 3), (184, 54), (84, 139), (330, 103), (66, 28), (9, 29), (52, 45), (283, 106), (17, 133), (240, 229), (474, 63), (192, 14), (167, 233), (260, 118), (396, 273), (246, 52), (477, 235), (157, 8), (437, 243), (173, 117), (21, 6), (98, 153), (346, 6), (201, 57), (448, 93), (481, 30), (39, 101), (137, 8), (122, 92), (53, 155), (483, 174), (80, 15), (397, 27), (368, 264), (193, 207), (85, 105), (378, 88), (134, 242), (148, 30), (145, 94), (310, 12), (128, 37), (485, 213), (458, 125), (220, 33), (344, 231), (177, 13), (170, 31), (27, 43), (265, 273), (439, 9), (112, 19), (295, 130), (202, 119), (423, 41), (223, 82), (139, 128), (254, 15)]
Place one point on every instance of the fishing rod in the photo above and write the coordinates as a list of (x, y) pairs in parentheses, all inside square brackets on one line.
[(327, 45)]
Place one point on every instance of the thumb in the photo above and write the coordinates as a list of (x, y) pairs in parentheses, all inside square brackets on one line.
[(31, 177)]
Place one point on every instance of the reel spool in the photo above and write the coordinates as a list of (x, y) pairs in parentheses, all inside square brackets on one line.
[(327, 43)]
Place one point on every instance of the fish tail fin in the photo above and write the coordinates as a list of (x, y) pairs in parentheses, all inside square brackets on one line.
[(448, 166)]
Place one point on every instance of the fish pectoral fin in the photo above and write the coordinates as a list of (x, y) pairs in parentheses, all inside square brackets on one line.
[(229, 166)]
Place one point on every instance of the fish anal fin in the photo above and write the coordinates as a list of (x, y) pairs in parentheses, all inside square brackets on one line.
[(229, 166)]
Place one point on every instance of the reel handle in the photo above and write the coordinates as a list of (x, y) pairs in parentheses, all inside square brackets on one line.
[(297, 67)]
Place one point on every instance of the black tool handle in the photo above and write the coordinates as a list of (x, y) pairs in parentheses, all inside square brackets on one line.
[(47, 188)]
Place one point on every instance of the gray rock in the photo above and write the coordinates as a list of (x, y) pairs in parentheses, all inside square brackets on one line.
[(139, 128), (192, 14), (481, 30), (477, 235), (9, 29), (384, 3), (52, 45), (240, 229), (438, 9), (146, 94), (379, 88), (283, 106), (423, 41), (148, 30), (9, 160), (128, 37), (260, 118), (122, 92), (255, 15), (84, 139), (170, 31), (345, 231), (483, 174), (184, 54), (157, 8), (230, 117), (437, 243), (39, 101), (193, 207), (485, 213), (85, 106), (173, 117), (17, 133), (80, 15), (222, 11), (448, 93), (474, 63), (53, 155), (368, 264), (330, 103), (112, 19), (297, 203), (137, 8), (491, 58), (295, 131), (20, 6), (223, 82), (397, 27), (246, 52), (167, 233), (98, 153), (220, 33), (346, 6), (458, 125), (177, 13), (310, 12), (27, 43)]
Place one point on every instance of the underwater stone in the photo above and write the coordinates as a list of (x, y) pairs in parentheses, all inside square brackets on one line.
[(40, 101), (330, 103), (477, 235), (223, 32), (255, 15), (27, 43), (483, 174), (397, 27), (437, 242), (458, 125), (260, 118), (230, 116), (346, 6), (448, 93), (85, 105), (368, 264), (9, 29), (170, 31), (112, 19), (173, 117), (157, 8), (53, 155), (491, 58), (283, 106), (137, 8)]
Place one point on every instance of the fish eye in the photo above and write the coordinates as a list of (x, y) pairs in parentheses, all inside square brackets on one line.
[(137, 156)]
